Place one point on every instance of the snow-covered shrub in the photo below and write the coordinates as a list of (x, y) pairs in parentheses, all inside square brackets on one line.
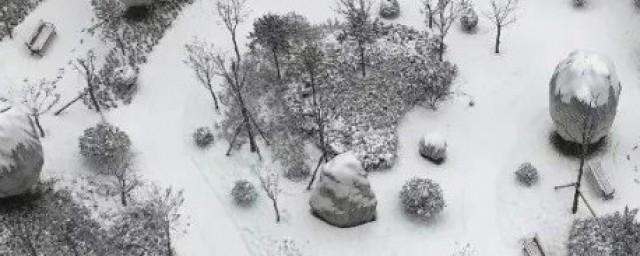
[(433, 147), (422, 197), (527, 174), (614, 234), (203, 137), (244, 193), (119, 80), (104, 144), (579, 3), (389, 9), (469, 19), (297, 171)]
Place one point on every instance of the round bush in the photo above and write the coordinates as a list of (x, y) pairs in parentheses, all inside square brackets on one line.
[(297, 172), (104, 143), (527, 174), (203, 137), (422, 198), (244, 193), (389, 9), (469, 19)]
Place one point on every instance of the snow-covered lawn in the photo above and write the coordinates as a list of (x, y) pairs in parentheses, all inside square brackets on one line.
[(486, 208)]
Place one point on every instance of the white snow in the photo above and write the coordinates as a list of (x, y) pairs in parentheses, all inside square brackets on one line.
[(434, 139), (588, 77), (509, 124)]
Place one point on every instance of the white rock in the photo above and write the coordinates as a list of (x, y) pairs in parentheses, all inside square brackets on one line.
[(21, 157), (585, 83), (433, 146), (343, 195)]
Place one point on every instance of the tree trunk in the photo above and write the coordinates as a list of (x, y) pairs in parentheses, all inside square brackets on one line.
[(315, 172), (253, 147), (36, 119), (275, 208), (123, 197), (576, 196), (69, 104), (92, 95), (498, 39), (430, 17), (167, 230), (213, 95), (441, 51), (362, 59), (277, 62), (235, 46)]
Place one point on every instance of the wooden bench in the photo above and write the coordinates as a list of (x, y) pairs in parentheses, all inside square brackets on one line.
[(41, 38), (532, 246), (600, 179)]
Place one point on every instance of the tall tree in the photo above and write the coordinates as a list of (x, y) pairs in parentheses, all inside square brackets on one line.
[(360, 25), (271, 31), (429, 11), (503, 13), (201, 59), (236, 72), (447, 11), (40, 97), (270, 183)]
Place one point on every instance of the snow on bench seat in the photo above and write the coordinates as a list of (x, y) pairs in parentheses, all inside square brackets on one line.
[(532, 246), (601, 180), (41, 37)]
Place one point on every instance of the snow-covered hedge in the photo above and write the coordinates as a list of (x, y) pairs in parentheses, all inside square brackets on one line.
[(203, 137), (244, 193), (422, 198), (615, 234), (104, 144), (527, 174)]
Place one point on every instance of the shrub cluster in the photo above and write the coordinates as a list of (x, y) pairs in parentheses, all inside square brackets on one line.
[(422, 198), (615, 234), (527, 174), (104, 144), (203, 137), (244, 193)]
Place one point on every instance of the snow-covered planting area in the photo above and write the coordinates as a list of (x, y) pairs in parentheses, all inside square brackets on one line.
[(497, 119)]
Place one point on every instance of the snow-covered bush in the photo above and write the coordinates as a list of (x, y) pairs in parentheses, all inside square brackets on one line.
[(615, 234), (469, 19), (119, 80), (579, 3), (527, 174), (297, 171), (389, 9), (203, 137), (104, 144), (433, 147), (422, 198), (244, 193)]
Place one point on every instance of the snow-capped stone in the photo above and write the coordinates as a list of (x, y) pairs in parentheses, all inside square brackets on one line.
[(343, 195), (433, 146), (21, 156), (389, 9), (584, 84)]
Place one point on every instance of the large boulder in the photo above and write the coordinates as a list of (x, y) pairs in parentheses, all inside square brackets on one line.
[(343, 195), (583, 97), (21, 157)]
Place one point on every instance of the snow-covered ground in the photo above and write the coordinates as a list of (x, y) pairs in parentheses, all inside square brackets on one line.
[(508, 124)]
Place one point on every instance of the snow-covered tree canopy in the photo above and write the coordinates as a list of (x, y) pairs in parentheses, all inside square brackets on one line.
[(583, 96), (21, 156)]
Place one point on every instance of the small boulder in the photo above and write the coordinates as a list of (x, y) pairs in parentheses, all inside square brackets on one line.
[(343, 195), (21, 156), (433, 147)]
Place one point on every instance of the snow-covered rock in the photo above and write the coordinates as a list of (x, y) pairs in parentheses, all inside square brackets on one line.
[(584, 84), (21, 156), (433, 146), (389, 9), (343, 195)]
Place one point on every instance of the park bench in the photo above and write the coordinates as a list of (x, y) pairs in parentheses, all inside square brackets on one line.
[(532, 246), (41, 38), (600, 179)]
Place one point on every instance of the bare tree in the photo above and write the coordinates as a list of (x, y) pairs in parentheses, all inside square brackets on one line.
[(502, 14), (235, 72), (589, 118), (201, 59), (123, 178), (40, 97), (270, 181), (429, 11), (168, 203), (360, 25), (86, 66), (447, 11)]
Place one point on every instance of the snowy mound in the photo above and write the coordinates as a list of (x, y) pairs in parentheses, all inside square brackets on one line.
[(433, 146), (584, 87), (21, 156), (343, 196)]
